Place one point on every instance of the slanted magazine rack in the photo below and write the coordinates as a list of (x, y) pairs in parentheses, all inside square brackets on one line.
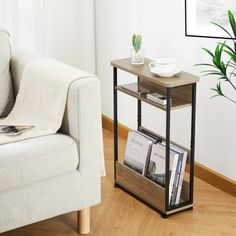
[(180, 91)]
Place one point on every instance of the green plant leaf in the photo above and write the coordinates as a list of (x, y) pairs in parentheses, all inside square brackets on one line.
[(219, 90), (217, 95), (215, 90), (232, 74), (133, 39), (223, 77), (212, 74), (205, 64), (208, 51), (210, 71), (232, 55), (232, 22), (232, 63), (222, 45), (216, 62), (223, 68), (228, 47), (232, 66), (217, 53), (227, 64), (222, 29), (136, 42)]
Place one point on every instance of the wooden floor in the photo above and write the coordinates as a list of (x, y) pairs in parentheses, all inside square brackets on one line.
[(121, 215)]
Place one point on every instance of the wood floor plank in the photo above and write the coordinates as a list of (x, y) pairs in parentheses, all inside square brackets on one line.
[(121, 215)]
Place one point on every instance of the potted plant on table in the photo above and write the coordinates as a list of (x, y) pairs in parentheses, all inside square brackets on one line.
[(223, 61), (137, 55)]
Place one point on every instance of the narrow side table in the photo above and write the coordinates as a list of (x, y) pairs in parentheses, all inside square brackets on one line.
[(180, 91)]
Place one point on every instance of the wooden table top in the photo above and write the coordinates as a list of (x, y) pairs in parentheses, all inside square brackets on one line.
[(143, 71)]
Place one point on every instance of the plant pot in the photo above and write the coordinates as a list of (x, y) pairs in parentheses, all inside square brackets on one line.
[(137, 57)]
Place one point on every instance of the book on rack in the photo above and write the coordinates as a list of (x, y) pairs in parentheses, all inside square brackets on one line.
[(137, 151), (156, 167), (145, 153), (180, 176)]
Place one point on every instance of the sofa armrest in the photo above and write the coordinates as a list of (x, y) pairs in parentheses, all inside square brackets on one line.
[(19, 58), (82, 121), (82, 117)]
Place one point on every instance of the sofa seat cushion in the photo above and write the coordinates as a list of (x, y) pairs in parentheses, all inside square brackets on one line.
[(36, 159)]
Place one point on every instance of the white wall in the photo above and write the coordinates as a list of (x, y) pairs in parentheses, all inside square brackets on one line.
[(162, 26), (65, 30), (69, 33), (60, 29)]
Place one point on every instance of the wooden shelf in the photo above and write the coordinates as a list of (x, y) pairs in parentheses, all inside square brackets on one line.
[(147, 190), (143, 71), (177, 101)]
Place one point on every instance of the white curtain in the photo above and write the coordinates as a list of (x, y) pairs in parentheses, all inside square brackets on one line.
[(61, 29)]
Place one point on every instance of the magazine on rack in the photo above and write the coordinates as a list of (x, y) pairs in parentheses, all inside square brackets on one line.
[(180, 176), (156, 167), (137, 152)]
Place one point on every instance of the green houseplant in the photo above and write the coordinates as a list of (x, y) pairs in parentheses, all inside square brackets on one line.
[(223, 61), (137, 55)]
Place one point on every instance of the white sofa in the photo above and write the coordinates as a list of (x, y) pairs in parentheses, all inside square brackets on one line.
[(51, 175)]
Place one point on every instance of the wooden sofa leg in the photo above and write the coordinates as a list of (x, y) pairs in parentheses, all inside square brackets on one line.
[(83, 219)]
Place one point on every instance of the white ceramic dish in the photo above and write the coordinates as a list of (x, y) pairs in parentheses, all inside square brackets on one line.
[(165, 74), (165, 65)]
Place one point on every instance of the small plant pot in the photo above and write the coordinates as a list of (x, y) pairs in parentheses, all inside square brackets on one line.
[(137, 58)]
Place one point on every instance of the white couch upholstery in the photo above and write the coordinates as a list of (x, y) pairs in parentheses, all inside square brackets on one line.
[(36, 159), (6, 92), (52, 175)]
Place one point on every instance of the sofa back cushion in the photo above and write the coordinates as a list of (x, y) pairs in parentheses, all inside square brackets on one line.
[(6, 89), (19, 59)]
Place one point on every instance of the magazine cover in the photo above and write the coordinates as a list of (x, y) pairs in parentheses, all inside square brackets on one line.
[(156, 167), (11, 130), (137, 151)]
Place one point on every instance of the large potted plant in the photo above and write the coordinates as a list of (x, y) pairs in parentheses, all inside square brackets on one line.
[(223, 64)]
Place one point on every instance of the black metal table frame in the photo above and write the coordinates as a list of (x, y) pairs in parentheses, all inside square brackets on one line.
[(168, 115)]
